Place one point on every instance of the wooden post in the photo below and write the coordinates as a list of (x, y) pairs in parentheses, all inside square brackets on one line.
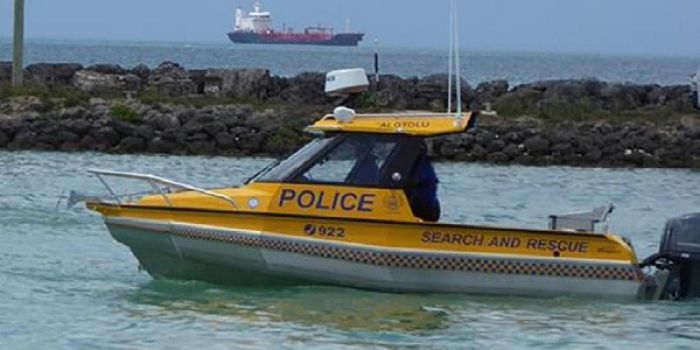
[(18, 48)]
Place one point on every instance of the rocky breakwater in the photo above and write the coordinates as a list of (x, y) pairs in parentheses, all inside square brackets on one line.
[(529, 141), (169, 109), (167, 129)]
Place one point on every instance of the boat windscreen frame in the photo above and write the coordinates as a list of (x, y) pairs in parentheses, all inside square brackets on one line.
[(400, 161)]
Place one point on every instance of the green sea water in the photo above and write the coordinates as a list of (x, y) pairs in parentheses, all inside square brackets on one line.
[(65, 284)]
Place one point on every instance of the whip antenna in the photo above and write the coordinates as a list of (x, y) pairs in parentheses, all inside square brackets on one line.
[(453, 71), (450, 57), (454, 66), (458, 73)]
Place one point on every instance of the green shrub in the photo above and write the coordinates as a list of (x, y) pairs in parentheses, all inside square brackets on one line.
[(124, 113)]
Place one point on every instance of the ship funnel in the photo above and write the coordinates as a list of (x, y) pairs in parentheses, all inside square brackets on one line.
[(346, 82)]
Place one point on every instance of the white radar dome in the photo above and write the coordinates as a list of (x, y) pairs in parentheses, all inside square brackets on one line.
[(346, 82), (344, 114)]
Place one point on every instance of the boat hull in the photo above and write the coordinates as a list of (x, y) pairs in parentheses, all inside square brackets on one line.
[(232, 256), (343, 39)]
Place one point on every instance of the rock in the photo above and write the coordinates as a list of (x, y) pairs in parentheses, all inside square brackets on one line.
[(131, 144), (513, 151), (25, 139), (198, 77), (521, 100), (4, 139), (67, 137), (497, 157), (171, 79), (5, 72), (201, 147), (478, 152), (214, 128), (453, 145), (593, 155), (78, 126), (694, 148), (537, 145), (158, 145), (51, 74), (107, 69), (524, 159), (197, 137), (95, 82), (562, 149), (11, 126), (491, 90), (174, 135), (514, 137), (105, 136), (396, 92), (88, 143), (239, 83), (483, 137), (142, 71), (619, 97), (197, 123), (496, 146), (163, 121), (145, 132), (224, 141), (249, 142), (434, 88), (565, 90), (70, 146), (305, 88)]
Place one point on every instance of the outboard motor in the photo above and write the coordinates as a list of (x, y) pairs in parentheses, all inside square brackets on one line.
[(678, 259)]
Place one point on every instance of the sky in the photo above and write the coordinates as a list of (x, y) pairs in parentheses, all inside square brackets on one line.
[(628, 27)]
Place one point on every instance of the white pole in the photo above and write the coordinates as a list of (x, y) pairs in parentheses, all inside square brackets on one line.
[(458, 74), (18, 45), (451, 56)]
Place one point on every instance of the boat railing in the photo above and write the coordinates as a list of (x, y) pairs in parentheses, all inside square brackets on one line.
[(160, 186)]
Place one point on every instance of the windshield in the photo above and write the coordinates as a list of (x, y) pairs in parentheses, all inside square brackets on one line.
[(356, 160), (282, 169)]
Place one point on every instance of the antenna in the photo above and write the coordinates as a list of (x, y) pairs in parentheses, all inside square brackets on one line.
[(376, 62), (450, 57), (454, 61)]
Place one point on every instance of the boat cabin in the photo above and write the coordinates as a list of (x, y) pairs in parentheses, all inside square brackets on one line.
[(365, 167), (367, 151)]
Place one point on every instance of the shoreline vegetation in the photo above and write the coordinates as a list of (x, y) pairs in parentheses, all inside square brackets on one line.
[(171, 110)]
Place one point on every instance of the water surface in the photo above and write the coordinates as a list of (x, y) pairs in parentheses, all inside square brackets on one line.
[(65, 284), (477, 66)]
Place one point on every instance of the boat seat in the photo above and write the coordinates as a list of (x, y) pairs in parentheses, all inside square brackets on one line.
[(581, 221)]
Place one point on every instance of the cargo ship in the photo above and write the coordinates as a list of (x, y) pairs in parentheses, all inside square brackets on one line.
[(255, 28)]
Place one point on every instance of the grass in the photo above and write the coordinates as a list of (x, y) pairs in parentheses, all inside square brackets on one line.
[(586, 110), (526, 103), (152, 97), (50, 97)]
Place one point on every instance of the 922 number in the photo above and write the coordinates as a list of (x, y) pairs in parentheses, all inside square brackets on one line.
[(326, 231)]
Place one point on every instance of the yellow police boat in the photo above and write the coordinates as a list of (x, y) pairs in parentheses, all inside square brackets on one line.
[(319, 217)]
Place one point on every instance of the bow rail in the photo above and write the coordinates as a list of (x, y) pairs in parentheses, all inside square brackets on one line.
[(161, 186)]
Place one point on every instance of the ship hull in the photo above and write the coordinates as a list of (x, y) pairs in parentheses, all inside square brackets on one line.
[(344, 39), (238, 256)]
